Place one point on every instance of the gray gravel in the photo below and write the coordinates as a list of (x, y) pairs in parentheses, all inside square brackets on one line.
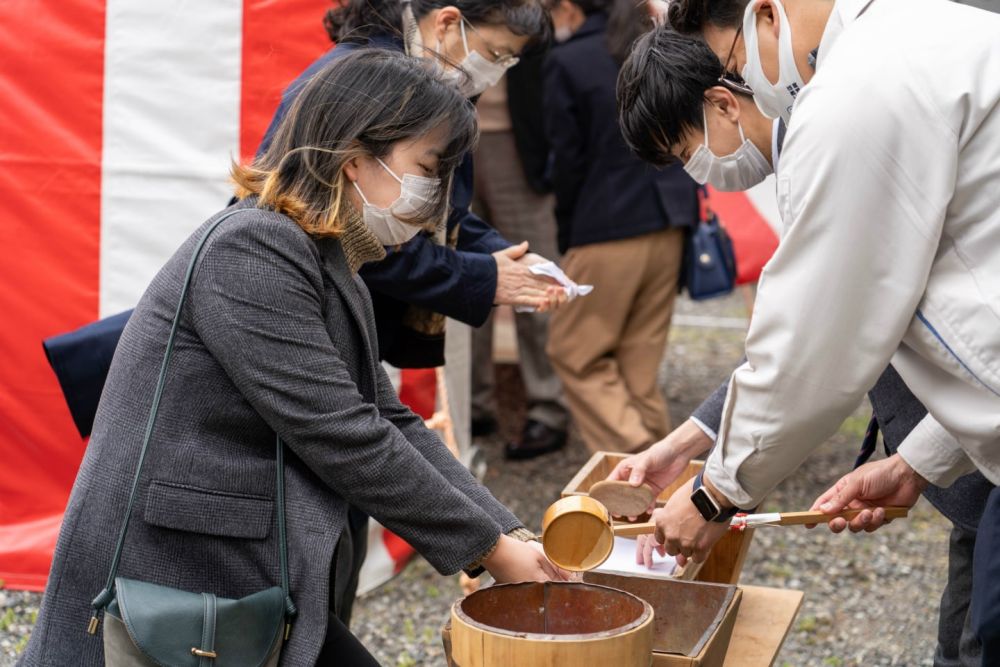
[(870, 600)]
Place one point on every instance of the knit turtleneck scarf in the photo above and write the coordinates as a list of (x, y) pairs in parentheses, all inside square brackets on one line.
[(359, 243)]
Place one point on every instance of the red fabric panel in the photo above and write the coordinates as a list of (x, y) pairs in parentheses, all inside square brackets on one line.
[(51, 84), (418, 390), (753, 239), (398, 549), (280, 39)]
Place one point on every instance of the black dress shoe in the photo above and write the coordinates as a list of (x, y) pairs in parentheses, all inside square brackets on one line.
[(483, 426), (536, 439)]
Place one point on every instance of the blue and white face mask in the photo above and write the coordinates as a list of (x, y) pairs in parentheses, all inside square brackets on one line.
[(775, 100)]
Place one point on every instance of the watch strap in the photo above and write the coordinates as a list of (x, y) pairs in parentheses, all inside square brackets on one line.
[(725, 514)]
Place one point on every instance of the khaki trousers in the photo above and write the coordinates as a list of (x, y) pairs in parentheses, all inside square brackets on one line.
[(607, 346), (505, 200)]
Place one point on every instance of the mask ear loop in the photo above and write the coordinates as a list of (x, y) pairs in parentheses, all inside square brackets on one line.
[(391, 172), (704, 120), (358, 188), (465, 41), (704, 117)]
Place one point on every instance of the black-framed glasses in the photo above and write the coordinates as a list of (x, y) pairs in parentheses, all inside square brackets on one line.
[(731, 79), (502, 59), (728, 73)]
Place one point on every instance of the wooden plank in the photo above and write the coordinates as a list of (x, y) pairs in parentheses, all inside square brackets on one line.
[(765, 617)]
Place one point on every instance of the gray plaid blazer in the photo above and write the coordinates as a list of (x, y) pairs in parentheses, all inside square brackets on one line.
[(277, 335)]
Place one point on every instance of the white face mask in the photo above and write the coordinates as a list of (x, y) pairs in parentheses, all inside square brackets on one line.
[(563, 33), (775, 100), (475, 73), (731, 173), (414, 194)]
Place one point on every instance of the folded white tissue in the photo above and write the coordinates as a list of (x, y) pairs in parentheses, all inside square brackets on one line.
[(552, 271), (622, 559)]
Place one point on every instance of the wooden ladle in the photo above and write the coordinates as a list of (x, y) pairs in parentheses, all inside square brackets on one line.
[(578, 533)]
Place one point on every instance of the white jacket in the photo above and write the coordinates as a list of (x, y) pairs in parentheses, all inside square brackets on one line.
[(889, 191)]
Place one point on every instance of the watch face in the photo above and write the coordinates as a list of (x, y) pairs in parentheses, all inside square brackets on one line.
[(705, 503)]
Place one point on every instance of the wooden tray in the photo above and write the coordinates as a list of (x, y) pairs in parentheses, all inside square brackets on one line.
[(692, 621), (723, 565)]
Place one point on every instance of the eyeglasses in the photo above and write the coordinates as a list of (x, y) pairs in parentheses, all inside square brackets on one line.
[(507, 60), (735, 83), (729, 74)]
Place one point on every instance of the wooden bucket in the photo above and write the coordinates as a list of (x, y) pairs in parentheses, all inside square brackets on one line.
[(551, 624)]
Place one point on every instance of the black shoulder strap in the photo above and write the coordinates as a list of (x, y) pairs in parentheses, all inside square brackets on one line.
[(107, 595)]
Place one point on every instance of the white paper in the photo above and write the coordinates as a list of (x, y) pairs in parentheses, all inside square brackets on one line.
[(550, 270), (622, 559)]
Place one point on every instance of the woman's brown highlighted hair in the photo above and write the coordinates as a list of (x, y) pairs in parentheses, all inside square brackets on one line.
[(360, 104)]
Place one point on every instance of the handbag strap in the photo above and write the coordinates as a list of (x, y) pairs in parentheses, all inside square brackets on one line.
[(705, 213), (107, 595)]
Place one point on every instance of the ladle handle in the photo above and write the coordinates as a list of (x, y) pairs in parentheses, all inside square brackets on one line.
[(633, 529), (802, 518)]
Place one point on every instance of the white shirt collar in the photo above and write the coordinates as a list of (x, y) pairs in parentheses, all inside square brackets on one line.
[(844, 13)]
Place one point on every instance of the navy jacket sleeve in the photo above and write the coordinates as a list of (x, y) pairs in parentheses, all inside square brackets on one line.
[(567, 143)]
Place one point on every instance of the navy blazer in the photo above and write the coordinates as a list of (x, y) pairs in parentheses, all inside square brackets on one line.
[(603, 191), (459, 283)]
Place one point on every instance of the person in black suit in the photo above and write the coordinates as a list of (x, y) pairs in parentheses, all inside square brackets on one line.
[(621, 224)]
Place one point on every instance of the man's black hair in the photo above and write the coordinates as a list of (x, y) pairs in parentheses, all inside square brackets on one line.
[(689, 17), (661, 91)]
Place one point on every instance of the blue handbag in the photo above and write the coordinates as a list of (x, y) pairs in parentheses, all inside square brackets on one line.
[(709, 259)]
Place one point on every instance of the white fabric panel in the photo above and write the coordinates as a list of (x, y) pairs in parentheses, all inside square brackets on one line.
[(458, 380), (379, 567), (763, 197), (171, 126)]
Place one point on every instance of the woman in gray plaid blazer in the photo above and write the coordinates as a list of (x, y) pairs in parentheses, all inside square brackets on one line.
[(277, 336)]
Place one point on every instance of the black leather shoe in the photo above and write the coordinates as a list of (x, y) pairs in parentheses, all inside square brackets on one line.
[(483, 427), (536, 439)]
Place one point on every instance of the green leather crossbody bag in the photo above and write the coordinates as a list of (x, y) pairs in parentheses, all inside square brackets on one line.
[(157, 626)]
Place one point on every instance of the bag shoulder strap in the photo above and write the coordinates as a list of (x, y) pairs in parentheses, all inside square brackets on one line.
[(107, 595)]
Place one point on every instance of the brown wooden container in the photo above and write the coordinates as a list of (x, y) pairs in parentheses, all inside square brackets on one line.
[(550, 625), (723, 565), (692, 621)]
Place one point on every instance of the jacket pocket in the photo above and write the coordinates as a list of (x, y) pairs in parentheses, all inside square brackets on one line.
[(208, 511)]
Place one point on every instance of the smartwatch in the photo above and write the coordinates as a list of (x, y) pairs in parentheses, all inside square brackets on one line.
[(708, 506)]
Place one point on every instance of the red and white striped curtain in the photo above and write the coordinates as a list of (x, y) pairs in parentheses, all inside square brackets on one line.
[(118, 122)]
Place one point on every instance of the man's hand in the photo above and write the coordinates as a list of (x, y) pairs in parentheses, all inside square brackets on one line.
[(660, 465), (682, 530), (874, 485), (518, 286)]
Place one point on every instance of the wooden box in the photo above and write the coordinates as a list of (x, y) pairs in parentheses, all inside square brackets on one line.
[(692, 621), (724, 563)]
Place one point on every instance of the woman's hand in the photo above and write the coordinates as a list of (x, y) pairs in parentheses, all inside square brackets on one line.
[(518, 286), (660, 465), (873, 486), (514, 561)]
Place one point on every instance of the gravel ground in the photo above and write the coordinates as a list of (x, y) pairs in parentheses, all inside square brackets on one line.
[(870, 600)]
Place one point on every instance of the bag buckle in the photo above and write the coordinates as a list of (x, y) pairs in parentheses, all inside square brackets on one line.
[(204, 654)]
